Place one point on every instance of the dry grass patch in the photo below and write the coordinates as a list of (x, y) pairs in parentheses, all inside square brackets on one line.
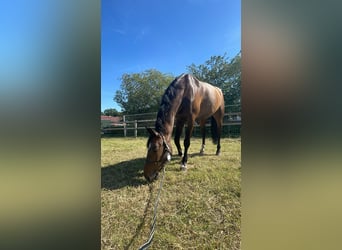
[(198, 209)]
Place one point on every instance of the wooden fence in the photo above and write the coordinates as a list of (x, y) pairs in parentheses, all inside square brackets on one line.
[(136, 127)]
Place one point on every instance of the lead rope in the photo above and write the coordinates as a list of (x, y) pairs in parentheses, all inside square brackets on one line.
[(147, 244)]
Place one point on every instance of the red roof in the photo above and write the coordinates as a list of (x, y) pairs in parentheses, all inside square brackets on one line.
[(113, 119)]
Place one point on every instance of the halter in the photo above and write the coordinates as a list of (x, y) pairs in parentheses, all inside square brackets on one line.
[(166, 150)]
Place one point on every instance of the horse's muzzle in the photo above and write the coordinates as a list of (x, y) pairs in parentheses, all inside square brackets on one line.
[(153, 177)]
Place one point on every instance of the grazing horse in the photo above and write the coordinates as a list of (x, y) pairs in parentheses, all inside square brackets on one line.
[(186, 100)]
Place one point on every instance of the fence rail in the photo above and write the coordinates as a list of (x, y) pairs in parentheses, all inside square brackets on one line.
[(230, 128)]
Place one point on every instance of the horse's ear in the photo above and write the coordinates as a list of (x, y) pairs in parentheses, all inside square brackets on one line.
[(152, 131)]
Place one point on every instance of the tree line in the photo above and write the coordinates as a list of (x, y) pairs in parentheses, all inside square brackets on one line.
[(142, 92)]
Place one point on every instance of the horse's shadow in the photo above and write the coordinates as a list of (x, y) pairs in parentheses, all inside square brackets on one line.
[(129, 173), (122, 174)]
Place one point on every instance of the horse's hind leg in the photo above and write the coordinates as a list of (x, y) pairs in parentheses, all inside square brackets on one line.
[(219, 127), (219, 120), (202, 125), (178, 133), (218, 150)]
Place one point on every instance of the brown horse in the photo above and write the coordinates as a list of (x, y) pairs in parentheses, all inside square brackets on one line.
[(186, 100)]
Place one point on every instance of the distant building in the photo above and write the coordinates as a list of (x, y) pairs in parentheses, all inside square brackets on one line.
[(113, 119), (110, 121)]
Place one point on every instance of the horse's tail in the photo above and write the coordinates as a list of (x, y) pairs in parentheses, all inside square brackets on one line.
[(214, 130)]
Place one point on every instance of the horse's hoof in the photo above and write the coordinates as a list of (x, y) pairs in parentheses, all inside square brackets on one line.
[(201, 153), (183, 167), (218, 153)]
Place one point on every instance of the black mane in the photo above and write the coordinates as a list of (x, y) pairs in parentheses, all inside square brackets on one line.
[(166, 105)]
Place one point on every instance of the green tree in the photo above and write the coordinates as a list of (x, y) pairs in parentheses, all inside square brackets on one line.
[(141, 92), (111, 112), (221, 72)]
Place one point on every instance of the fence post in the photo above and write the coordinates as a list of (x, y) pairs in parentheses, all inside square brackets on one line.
[(124, 120), (135, 128)]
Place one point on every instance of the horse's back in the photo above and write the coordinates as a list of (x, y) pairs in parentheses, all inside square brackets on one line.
[(200, 98)]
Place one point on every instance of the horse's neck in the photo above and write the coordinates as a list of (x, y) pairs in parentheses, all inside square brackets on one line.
[(166, 126), (168, 129)]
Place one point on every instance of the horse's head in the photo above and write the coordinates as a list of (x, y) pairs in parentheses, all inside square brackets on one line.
[(158, 153)]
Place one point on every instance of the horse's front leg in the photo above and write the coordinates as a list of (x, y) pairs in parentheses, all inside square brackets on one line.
[(178, 133), (188, 134)]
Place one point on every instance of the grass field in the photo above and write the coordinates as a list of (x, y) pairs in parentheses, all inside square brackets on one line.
[(199, 208)]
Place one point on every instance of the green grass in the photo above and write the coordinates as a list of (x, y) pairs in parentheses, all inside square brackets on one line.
[(198, 209)]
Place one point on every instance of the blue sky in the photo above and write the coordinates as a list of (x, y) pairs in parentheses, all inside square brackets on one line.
[(167, 35)]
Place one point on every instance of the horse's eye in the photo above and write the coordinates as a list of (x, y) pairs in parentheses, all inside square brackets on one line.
[(155, 148)]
